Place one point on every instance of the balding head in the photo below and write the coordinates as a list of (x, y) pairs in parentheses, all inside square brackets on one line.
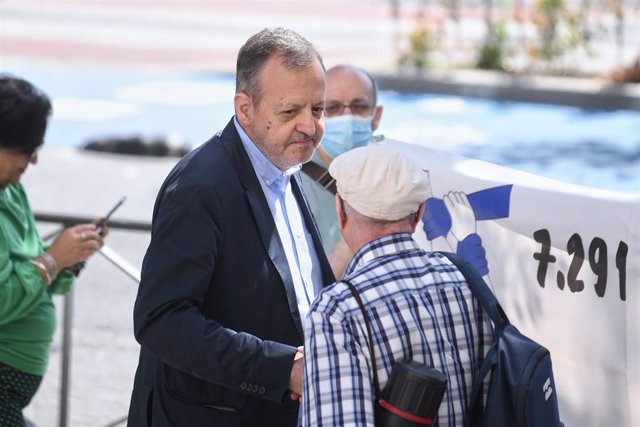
[(343, 78)]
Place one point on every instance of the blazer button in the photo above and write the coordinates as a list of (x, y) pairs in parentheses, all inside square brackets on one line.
[(243, 386), (262, 390)]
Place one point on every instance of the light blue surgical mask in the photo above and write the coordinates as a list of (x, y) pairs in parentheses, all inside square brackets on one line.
[(343, 133)]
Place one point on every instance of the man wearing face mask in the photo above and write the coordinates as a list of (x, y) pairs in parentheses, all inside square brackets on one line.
[(352, 114)]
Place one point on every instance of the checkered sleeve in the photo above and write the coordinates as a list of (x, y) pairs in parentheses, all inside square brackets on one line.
[(338, 387)]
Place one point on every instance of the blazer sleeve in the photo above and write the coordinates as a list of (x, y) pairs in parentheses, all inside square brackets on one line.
[(177, 272)]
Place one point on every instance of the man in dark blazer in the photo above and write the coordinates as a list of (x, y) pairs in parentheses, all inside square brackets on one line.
[(220, 311)]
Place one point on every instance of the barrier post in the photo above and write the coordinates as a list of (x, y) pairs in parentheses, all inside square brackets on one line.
[(65, 372)]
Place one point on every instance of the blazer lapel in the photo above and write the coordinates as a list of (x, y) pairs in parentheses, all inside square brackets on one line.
[(262, 214)]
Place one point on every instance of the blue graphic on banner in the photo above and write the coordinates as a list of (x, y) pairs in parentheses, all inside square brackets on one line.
[(492, 203), (471, 249)]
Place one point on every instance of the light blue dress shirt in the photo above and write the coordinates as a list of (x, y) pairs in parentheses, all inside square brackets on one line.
[(297, 242)]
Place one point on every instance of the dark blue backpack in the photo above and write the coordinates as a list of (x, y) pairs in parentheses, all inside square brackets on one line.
[(522, 391)]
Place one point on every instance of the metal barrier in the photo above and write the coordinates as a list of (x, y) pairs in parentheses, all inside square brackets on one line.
[(116, 260), (68, 220)]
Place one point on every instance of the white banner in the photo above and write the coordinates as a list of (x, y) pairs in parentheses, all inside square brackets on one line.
[(563, 260)]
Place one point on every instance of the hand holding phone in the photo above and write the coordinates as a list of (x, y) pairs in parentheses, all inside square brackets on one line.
[(100, 225)]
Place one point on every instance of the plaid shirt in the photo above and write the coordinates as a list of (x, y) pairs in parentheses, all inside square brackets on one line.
[(419, 308)]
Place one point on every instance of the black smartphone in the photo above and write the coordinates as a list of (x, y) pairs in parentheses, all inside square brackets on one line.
[(111, 211)]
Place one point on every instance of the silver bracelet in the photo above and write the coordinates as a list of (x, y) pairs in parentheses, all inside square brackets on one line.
[(41, 267), (47, 258)]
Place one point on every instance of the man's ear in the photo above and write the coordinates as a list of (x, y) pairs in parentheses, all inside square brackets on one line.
[(243, 104), (377, 115), (418, 216)]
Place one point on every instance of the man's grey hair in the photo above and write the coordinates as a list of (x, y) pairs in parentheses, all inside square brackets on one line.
[(356, 216), (296, 52)]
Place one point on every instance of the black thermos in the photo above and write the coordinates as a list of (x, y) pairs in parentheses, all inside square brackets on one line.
[(411, 397)]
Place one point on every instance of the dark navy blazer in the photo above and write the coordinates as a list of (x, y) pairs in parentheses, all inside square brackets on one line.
[(216, 312)]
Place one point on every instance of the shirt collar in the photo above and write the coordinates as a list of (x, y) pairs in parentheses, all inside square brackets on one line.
[(392, 244), (266, 171)]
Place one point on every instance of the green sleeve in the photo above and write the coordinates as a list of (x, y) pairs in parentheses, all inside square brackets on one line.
[(61, 284), (21, 286)]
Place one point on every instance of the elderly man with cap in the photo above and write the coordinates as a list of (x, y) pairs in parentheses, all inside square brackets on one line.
[(418, 303)]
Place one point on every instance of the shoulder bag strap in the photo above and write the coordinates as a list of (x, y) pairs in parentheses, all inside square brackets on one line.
[(356, 295), (320, 175)]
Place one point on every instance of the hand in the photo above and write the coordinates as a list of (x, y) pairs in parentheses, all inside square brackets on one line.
[(75, 244), (471, 249), (463, 220), (436, 221), (295, 380), (101, 227)]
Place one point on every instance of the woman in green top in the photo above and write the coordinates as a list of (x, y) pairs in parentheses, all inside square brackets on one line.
[(30, 271)]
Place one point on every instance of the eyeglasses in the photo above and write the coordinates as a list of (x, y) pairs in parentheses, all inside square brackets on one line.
[(359, 108)]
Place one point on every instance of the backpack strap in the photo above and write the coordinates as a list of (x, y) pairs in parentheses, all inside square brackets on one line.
[(476, 409), (481, 291), (490, 304)]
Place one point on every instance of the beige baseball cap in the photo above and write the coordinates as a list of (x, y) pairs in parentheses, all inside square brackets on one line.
[(380, 183)]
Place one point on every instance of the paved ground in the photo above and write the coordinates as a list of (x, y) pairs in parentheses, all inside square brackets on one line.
[(190, 35), (186, 35), (205, 34)]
